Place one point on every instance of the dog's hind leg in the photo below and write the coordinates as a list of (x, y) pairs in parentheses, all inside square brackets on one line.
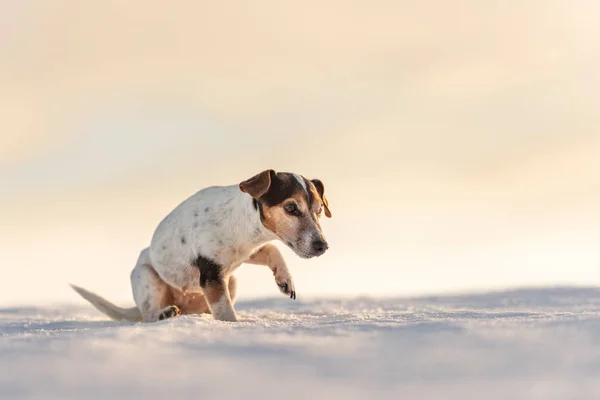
[(151, 294), (195, 303)]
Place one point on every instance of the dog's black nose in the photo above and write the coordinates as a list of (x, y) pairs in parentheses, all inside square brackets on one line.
[(319, 246)]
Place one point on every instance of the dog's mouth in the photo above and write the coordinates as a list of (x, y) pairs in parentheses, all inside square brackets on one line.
[(297, 250), (302, 251), (313, 255), (306, 256), (303, 254)]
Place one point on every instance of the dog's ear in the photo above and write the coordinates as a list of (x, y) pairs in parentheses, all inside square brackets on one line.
[(258, 184), (321, 189)]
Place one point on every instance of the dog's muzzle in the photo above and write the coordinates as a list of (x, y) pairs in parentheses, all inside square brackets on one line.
[(319, 247)]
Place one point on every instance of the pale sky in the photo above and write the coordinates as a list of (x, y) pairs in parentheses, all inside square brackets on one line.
[(459, 142)]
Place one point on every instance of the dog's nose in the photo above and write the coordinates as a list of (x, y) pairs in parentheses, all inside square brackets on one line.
[(319, 246)]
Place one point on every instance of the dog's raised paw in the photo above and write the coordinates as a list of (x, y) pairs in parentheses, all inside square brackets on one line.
[(169, 312), (285, 288)]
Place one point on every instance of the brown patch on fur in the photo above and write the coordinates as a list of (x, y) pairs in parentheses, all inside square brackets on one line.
[(287, 226), (314, 198), (258, 184), (190, 303), (321, 191), (214, 292), (195, 303), (269, 219)]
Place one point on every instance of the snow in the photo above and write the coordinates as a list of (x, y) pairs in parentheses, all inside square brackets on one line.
[(522, 344)]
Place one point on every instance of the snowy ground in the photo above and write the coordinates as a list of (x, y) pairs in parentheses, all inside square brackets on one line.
[(527, 344)]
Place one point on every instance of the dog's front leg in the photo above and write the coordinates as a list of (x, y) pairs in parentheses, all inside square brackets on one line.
[(219, 301), (270, 256)]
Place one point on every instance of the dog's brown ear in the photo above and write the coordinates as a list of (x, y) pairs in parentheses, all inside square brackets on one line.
[(258, 184), (321, 189)]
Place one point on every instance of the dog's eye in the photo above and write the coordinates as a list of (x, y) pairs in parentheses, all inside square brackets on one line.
[(320, 211), (292, 209)]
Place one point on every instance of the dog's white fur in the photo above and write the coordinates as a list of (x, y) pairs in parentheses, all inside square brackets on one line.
[(213, 219), (224, 223)]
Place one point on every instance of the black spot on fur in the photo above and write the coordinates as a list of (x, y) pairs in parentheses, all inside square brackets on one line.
[(183, 241), (195, 214), (207, 209), (210, 271), (283, 186), (164, 247)]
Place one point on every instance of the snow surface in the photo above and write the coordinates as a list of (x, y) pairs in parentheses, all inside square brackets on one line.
[(524, 344)]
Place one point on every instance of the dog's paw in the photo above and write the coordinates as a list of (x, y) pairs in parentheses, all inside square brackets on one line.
[(169, 312), (286, 285)]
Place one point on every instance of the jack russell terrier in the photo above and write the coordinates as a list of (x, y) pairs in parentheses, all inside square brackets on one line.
[(188, 268)]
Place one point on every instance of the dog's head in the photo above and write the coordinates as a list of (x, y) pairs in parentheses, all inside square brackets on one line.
[(290, 206)]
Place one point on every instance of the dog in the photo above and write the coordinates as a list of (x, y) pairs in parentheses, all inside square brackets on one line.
[(188, 268)]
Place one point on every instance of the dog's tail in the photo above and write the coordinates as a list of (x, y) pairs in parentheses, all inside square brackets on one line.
[(117, 313)]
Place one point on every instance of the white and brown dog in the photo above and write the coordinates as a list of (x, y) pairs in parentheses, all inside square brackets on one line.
[(194, 251)]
